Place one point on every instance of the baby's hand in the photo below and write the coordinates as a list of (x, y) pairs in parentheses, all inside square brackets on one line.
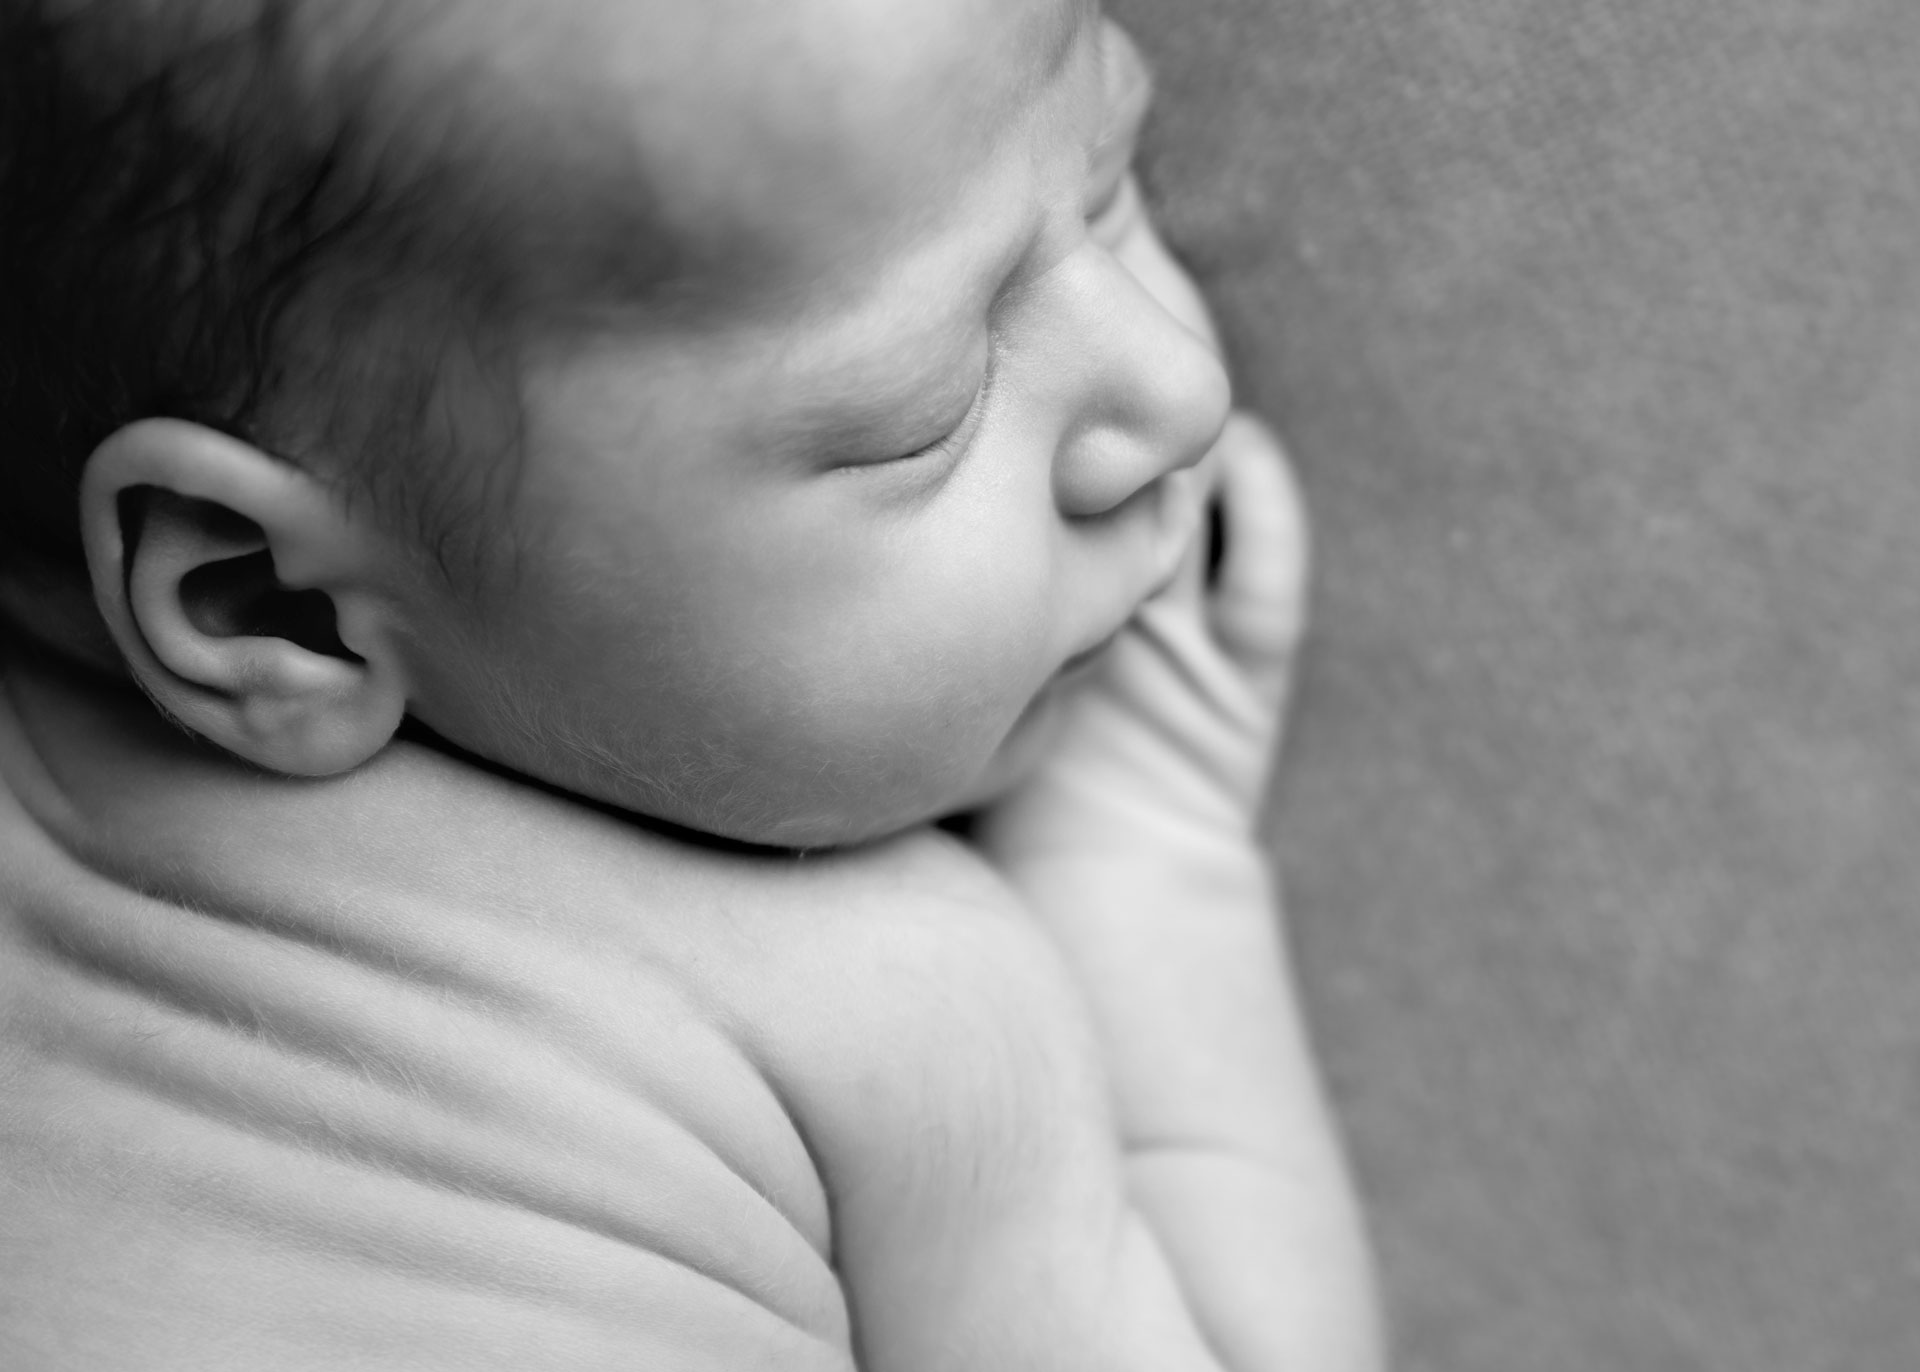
[(1135, 846), (1170, 744)]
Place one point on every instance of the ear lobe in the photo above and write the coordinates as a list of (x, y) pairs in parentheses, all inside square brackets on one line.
[(245, 598)]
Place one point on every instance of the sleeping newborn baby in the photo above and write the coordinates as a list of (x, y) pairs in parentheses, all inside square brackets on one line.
[(700, 812)]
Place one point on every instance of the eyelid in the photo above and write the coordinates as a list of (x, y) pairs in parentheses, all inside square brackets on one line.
[(962, 433), (953, 441)]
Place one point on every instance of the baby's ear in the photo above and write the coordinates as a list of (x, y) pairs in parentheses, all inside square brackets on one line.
[(244, 595)]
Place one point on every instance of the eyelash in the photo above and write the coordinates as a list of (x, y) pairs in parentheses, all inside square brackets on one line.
[(955, 438), (938, 448)]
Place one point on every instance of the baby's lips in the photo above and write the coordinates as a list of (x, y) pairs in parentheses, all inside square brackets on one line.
[(1086, 657)]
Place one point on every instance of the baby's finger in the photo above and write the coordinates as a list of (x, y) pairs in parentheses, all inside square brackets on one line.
[(1258, 609)]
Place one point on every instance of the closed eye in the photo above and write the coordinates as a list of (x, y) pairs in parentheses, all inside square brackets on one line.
[(950, 444)]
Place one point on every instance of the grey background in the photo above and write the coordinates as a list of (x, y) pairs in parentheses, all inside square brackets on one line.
[(1594, 326)]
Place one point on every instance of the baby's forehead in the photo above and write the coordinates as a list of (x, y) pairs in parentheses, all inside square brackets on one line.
[(716, 121), (783, 69)]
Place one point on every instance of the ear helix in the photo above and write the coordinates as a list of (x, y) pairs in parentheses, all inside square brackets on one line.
[(220, 572)]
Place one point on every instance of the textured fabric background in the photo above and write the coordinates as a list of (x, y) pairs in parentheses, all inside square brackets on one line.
[(1595, 329)]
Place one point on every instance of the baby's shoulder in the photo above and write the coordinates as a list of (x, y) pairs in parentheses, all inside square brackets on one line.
[(902, 984), (912, 930), (905, 993)]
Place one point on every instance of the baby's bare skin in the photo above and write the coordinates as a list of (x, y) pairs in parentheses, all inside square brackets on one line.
[(424, 1067), (530, 1088), (421, 1067)]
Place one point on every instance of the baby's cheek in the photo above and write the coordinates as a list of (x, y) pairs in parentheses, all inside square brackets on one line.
[(992, 641), (864, 732), (941, 680)]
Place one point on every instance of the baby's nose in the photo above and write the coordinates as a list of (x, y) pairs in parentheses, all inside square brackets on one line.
[(1154, 396)]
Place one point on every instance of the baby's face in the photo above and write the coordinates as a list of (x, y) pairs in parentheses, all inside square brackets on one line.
[(821, 561)]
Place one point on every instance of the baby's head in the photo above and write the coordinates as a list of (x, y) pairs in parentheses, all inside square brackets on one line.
[(736, 411)]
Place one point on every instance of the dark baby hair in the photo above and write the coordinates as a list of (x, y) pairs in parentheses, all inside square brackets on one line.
[(235, 214)]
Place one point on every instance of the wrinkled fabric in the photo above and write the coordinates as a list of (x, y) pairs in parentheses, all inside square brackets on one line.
[(1594, 328)]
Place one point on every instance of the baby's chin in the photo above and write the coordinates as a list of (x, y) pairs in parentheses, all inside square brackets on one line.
[(1018, 755), (1003, 772), (810, 792), (764, 821)]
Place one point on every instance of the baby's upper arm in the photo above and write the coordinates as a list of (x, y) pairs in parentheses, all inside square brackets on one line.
[(938, 1063)]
